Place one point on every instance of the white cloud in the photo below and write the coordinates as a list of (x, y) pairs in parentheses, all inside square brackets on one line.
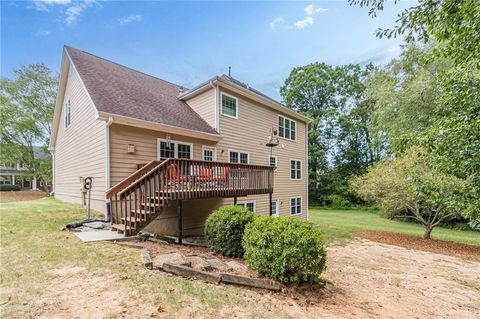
[(300, 24), (75, 10), (42, 5), (130, 19), (42, 33), (276, 22), (311, 10)]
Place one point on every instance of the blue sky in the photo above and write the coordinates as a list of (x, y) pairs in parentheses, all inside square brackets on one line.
[(189, 42)]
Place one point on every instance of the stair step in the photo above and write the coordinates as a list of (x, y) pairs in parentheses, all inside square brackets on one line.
[(142, 212), (150, 204), (120, 227), (132, 219)]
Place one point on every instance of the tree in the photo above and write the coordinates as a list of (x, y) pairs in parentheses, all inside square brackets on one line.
[(334, 98), (27, 104), (408, 187), (455, 24)]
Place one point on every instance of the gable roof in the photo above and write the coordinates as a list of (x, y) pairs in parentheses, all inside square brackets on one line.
[(232, 83), (119, 90)]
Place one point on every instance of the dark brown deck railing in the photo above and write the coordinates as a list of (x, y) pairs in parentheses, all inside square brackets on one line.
[(137, 199)]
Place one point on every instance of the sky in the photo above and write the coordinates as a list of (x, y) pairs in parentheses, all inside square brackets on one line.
[(189, 42)]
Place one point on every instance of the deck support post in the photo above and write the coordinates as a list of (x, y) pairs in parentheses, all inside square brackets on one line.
[(235, 200), (180, 221), (270, 203)]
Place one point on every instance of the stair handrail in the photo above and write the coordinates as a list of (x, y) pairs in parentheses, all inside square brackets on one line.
[(146, 175), (138, 174)]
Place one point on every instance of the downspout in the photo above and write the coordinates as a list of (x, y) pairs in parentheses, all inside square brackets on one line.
[(107, 165), (52, 151)]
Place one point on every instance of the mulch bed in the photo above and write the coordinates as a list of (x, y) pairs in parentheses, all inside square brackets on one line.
[(465, 251), (15, 196)]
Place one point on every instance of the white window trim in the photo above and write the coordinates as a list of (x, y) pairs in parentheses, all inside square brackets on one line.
[(238, 151), (276, 160), (221, 105), (290, 169), (296, 128), (290, 206), (210, 148), (249, 202), (277, 210), (175, 151)]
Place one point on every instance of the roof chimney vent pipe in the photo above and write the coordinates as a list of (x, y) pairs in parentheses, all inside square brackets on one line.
[(230, 71)]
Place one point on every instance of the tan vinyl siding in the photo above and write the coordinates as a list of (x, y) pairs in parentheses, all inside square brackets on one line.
[(249, 133), (122, 164), (80, 148), (204, 105)]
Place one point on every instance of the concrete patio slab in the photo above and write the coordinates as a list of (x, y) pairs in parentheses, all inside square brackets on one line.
[(98, 235)]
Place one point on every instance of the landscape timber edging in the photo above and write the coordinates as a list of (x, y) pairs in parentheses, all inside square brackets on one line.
[(216, 278)]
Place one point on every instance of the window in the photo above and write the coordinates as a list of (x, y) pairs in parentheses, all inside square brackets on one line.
[(208, 154), (248, 205), (229, 106), (272, 160), (66, 112), (167, 151), (295, 205), (295, 169), (287, 128), (174, 150), (238, 157), (184, 151), (274, 208)]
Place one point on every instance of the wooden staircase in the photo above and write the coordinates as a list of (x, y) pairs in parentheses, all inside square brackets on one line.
[(140, 198)]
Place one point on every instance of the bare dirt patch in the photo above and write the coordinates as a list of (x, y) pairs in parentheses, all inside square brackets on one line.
[(15, 196), (367, 279), (469, 252), (75, 294)]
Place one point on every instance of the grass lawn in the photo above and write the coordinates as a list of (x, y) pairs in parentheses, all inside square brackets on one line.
[(340, 224), (32, 245)]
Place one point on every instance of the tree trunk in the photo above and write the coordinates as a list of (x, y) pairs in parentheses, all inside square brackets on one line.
[(427, 232)]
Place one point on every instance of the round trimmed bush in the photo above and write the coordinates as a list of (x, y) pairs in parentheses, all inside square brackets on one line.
[(224, 229), (286, 249)]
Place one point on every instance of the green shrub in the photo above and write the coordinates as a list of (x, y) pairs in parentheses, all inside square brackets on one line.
[(4, 188), (224, 229), (286, 249)]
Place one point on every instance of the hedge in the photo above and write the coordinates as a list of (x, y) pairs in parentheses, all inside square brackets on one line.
[(286, 249), (4, 188), (224, 229)]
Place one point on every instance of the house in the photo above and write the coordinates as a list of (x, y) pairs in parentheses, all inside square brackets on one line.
[(162, 157), (18, 174)]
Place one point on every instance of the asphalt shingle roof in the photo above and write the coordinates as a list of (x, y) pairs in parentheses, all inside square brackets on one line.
[(119, 90)]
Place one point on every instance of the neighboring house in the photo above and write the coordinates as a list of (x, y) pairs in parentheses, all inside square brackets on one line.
[(163, 157), (18, 174)]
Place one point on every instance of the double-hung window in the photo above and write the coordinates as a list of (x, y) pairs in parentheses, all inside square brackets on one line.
[(229, 105), (272, 160), (66, 113), (249, 205), (208, 153), (295, 169), (295, 205), (238, 157), (287, 128), (174, 149)]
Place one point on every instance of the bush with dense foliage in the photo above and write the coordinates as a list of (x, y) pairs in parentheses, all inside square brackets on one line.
[(224, 229), (4, 188), (286, 249)]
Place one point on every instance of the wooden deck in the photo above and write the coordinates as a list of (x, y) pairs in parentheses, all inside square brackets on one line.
[(138, 199)]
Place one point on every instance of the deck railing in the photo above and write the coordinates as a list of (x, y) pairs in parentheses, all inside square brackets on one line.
[(137, 199)]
